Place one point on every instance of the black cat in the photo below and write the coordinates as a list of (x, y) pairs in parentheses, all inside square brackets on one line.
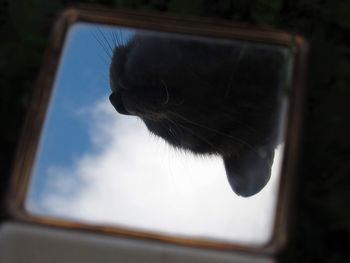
[(206, 97)]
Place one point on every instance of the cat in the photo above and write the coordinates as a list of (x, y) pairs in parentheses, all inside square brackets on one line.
[(206, 97)]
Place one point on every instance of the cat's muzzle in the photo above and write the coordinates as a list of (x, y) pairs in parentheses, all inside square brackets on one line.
[(116, 99)]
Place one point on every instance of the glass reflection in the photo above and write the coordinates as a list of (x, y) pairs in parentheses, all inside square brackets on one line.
[(98, 166)]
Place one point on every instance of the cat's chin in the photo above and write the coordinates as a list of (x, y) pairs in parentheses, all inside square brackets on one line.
[(249, 172)]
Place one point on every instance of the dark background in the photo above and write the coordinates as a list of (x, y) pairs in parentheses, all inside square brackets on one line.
[(321, 230)]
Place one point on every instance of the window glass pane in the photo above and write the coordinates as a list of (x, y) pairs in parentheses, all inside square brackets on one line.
[(186, 152)]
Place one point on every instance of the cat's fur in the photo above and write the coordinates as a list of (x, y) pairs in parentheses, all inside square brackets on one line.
[(206, 97)]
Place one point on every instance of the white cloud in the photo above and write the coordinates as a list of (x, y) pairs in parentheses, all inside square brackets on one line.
[(133, 179)]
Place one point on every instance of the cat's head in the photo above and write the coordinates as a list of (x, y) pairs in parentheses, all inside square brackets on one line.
[(204, 97), (175, 87)]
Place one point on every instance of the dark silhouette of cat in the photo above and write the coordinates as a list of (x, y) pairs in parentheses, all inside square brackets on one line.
[(206, 97)]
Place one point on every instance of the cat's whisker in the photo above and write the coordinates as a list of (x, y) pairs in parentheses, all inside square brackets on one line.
[(107, 41), (193, 133), (103, 46), (119, 42), (215, 131), (173, 131), (237, 121), (166, 91), (170, 130), (177, 104), (115, 41)]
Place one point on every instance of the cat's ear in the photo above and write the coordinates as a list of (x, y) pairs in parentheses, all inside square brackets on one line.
[(249, 172)]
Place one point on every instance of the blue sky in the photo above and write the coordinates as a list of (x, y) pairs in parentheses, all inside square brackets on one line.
[(81, 80)]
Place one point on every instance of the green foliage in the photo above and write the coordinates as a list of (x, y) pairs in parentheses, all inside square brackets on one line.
[(30, 19), (265, 11), (185, 7), (341, 14)]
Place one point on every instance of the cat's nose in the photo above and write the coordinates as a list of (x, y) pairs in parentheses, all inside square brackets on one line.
[(116, 99)]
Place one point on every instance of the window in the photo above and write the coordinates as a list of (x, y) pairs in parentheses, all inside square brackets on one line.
[(196, 145)]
